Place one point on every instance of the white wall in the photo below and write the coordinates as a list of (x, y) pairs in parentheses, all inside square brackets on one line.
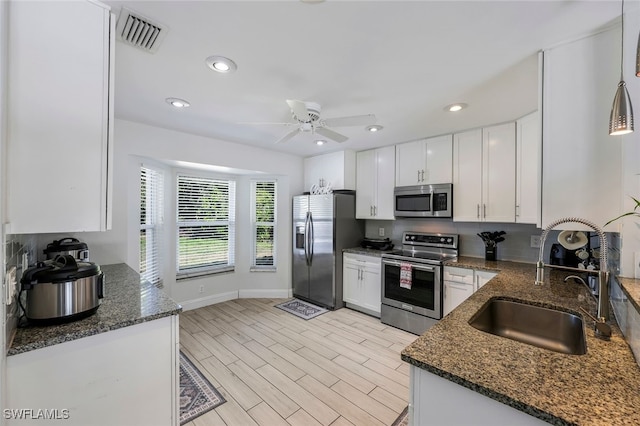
[(4, 40), (136, 143)]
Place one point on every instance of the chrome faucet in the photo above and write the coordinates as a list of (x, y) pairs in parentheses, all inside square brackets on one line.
[(603, 273)]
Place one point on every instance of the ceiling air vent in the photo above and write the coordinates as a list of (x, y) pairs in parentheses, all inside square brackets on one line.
[(138, 31)]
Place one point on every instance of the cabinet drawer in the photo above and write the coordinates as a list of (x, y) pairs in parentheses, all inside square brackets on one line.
[(458, 275)]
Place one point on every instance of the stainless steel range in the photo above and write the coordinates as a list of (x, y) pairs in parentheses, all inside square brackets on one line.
[(412, 280)]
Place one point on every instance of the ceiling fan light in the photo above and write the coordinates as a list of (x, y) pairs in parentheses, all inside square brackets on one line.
[(374, 128), (221, 64)]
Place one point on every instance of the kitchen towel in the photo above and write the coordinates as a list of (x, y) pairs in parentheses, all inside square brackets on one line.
[(405, 275)]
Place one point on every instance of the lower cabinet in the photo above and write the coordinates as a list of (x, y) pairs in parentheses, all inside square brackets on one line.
[(361, 283), (460, 283), (127, 376)]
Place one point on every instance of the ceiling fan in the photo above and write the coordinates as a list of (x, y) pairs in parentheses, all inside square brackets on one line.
[(308, 120)]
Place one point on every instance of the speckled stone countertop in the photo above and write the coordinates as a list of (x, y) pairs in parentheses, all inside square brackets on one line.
[(126, 302), (365, 251), (631, 288), (601, 387)]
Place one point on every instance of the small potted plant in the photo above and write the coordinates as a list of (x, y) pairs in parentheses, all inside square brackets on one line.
[(634, 212), (491, 240)]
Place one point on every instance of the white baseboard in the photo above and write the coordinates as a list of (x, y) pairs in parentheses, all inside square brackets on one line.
[(265, 294), (209, 300)]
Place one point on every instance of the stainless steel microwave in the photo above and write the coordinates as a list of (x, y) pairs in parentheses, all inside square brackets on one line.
[(424, 200)]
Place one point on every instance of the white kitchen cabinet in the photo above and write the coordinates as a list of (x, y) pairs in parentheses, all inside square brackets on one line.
[(375, 181), (484, 174), (460, 283), (60, 116), (581, 162), (482, 277), (528, 167), (336, 169), (362, 284), (425, 162), (127, 376)]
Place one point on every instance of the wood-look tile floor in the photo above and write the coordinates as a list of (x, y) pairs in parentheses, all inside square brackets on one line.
[(340, 368)]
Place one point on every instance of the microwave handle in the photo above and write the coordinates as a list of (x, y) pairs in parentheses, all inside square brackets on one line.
[(431, 201)]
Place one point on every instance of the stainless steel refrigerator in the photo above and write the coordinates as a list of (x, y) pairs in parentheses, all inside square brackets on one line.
[(323, 225)]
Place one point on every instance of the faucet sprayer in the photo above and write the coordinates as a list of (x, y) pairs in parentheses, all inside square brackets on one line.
[(603, 273)]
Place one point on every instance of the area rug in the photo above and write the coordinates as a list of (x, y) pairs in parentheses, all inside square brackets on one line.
[(197, 395), (301, 309), (403, 418)]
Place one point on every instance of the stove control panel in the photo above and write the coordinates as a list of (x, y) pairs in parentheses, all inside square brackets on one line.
[(430, 240)]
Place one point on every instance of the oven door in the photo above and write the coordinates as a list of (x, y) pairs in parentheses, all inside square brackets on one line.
[(424, 296)]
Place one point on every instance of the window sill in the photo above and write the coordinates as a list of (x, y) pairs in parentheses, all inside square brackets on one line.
[(199, 274), (263, 269)]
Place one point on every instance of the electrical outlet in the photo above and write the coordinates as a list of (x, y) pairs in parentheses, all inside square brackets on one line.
[(535, 241), (201, 289), (381, 232)]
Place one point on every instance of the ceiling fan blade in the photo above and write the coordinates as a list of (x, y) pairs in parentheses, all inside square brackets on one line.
[(356, 120), (288, 136), (299, 110), (331, 134)]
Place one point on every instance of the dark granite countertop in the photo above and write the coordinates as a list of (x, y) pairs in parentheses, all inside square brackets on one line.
[(365, 251), (601, 387), (127, 301)]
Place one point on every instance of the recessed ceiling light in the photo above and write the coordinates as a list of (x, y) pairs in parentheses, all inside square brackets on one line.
[(178, 103), (221, 64), (320, 142), (374, 128), (455, 107)]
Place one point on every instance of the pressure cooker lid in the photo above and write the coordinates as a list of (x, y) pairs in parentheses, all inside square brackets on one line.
[(65, 244), (61, 269)]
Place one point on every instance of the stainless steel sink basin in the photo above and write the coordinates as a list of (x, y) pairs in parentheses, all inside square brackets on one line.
[(542, 327)]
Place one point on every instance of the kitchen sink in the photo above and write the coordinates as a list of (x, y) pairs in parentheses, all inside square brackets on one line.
[(546, 328)]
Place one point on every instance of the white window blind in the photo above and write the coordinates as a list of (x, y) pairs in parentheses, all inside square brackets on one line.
[(263, 220), (151, 224), (206, 225)]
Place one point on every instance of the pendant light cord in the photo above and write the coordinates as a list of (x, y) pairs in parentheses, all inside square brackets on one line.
[(622, 54)]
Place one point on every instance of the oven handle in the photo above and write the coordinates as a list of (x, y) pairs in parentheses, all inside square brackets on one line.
[(413, 265)]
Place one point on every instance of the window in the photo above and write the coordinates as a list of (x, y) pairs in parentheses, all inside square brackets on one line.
[(151, 220), (263, 221), (206, 225)]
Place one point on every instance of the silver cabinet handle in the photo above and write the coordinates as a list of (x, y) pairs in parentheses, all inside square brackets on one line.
[(484, 208), (478, 211), (517, 211), (418, 176), (423, 175), (375, 210)]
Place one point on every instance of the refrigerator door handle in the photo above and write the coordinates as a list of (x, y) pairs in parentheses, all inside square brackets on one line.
[(311, 238), (306, 238)]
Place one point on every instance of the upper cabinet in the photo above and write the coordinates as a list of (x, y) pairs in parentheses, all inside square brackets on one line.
[(375, 172), (528, 152), (59, 121), (581, 163), (484, 174), (337, 170), (425, 162)]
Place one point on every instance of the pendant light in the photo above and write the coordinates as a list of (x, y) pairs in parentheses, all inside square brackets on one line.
[(621, 120)]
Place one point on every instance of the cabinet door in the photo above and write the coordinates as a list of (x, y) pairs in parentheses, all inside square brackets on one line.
[(581, 164), (385, 183), (372, 285), (366, 176), (455, 294), (439, 153), (467, 176), (336, 169), (458, 275), (58, 121), (528, 165), (411, 164), (499, 173), (350, 282), (482, 277)]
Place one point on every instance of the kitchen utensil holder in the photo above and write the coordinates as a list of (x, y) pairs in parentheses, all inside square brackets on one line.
[(490, 252)]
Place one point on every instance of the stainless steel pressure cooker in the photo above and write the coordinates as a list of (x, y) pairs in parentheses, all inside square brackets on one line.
[(62, 290), (72, 246)]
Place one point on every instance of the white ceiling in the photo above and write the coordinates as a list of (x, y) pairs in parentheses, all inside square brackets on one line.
[(402, 61)]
